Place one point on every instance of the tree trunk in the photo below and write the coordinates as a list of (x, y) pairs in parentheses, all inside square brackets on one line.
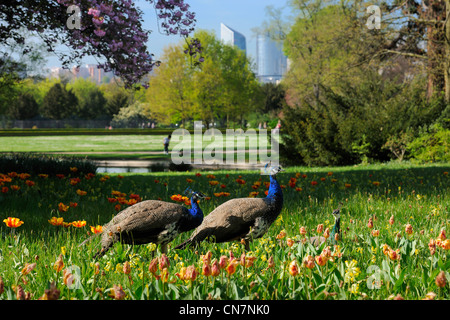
[(447, 53), (437, 51)]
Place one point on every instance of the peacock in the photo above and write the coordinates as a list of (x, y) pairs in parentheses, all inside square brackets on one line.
[(241, 218), (153, 221), (318, 240)]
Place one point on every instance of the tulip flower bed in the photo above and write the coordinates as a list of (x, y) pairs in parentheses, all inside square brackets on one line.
[(394, 222)]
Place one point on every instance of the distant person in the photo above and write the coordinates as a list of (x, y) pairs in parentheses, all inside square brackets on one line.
[(166, 142)]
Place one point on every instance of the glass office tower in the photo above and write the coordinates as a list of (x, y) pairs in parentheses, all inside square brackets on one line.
[(270, 59), (232, 37)]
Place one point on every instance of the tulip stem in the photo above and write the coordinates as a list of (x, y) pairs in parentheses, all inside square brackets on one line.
[(205, 286), (293, 287)]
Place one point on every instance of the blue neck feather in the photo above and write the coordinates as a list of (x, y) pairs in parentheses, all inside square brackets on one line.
[(195, 210), (275, 191)]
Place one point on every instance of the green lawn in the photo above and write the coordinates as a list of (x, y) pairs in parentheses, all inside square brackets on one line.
[(81, 143), (124, 147)]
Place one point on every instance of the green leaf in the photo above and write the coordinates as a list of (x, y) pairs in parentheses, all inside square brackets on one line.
[(400, 279)]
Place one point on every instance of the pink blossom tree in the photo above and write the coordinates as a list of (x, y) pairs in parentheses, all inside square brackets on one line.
[(110, 30)]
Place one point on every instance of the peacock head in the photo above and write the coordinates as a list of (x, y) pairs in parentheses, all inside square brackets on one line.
[(198, 195), (195, 195), (272, 170), (337, 213)]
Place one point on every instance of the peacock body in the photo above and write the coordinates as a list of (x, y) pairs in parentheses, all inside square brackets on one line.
[(242, 218), (153, 221)]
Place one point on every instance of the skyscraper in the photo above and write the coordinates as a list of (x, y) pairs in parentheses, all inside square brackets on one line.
[(270, 59), (232, 37)]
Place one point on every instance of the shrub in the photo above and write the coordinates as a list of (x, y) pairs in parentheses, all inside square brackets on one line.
[(431, 145), (36, 164)]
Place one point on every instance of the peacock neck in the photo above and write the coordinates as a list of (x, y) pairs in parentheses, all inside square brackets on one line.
[(336, 227), (275, 191), (195, 210)]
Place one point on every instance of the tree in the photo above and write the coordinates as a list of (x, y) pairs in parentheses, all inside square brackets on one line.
[(59, 103), (168, 95), (91, 102), (111, 31), (24, 107), (226, 86), (222, 87), (117, 97)]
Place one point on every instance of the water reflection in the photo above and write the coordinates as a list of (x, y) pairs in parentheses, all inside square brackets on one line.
[(122, 170)]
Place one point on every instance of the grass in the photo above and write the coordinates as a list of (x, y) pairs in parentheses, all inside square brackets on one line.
[(128, 147), (415, 195)]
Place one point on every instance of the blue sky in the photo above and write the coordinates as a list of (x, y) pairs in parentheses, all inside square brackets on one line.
[(241, 15)]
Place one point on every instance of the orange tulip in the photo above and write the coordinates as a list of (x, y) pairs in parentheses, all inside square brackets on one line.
[(126, 267), (281, 235), (271, 263), (97, 229), (326, 233), (62, 207), (117, 292), (13, 222), (28, 268), (293, 268), (321, 260), (206, 269), (59, 264), (231, 267), (191, 273), (78, 224), (153, 266), (29, 183), (446, 244), (247, 261), (163, 262), (441, 280), (394, 254), (302, 231), (81, 192), (319, 228), (223, 262), (409, 229), (56, 221), (391, 220), (308, 262), (215, 269), (289, 242)]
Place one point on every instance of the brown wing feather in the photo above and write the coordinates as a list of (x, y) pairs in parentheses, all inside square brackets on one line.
[(231, 219), (150, 214)]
